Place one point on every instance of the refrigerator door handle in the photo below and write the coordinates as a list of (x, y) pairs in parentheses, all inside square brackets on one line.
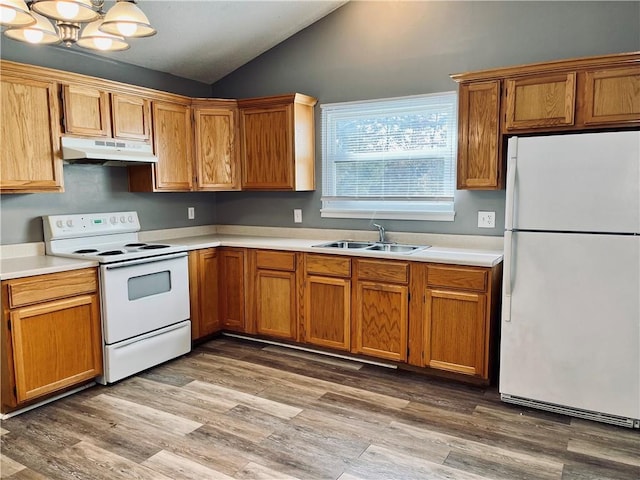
[(512, 165), (507, 279)]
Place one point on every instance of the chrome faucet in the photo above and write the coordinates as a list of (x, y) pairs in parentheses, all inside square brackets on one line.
[(380, 232)]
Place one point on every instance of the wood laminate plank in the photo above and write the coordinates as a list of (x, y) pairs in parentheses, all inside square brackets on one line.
[(255, 471), (243, 410), (314, 357), (382, 462), (9, 467), (274, 408), (175, 466)]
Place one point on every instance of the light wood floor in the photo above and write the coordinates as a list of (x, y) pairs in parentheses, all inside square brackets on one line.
[(243, 410)]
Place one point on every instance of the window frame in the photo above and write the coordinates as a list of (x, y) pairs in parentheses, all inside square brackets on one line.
[(440, 208)]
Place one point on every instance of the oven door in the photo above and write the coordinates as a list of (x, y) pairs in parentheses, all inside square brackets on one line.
[(143, 295)]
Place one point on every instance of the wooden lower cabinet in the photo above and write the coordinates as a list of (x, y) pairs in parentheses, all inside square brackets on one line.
[(381, 307), (275, 293), (232, 287), (457, 319), (327, 301), (204, 292), (51, 335)]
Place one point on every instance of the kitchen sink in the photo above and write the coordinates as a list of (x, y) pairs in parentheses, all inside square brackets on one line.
[(373, 246), (346, 244)]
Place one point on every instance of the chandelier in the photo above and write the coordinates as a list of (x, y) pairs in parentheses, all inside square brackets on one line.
[(31, 22)]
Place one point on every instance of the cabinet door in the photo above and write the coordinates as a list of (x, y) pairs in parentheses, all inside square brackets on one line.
[(55, 345), (172, 141), (276, 303), (86, 111), (131, 117), (267, 148), (612, 96), (217, 156), (479, 161), (455, 328), (540, 101), (203, 290), (382, 320), (29, 127), (232, 288), (327, 312)]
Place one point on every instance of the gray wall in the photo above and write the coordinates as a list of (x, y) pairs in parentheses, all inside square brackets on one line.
[(91, 188), (362, 50), (370, 50)]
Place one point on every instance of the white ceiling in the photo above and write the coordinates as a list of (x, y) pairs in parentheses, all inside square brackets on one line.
[(205, 40)]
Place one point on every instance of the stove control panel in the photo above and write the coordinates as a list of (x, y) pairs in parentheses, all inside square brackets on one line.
[(89, 224)]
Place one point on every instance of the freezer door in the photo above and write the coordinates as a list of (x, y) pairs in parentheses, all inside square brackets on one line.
[(586, 182), (573, 338)]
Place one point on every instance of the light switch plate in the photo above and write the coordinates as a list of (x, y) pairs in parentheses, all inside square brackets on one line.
[(486, 219), (191, 213)]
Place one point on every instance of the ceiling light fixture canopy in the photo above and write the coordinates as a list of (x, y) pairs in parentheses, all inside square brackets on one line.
[(32, 22)]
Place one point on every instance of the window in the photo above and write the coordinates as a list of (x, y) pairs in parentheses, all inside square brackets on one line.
[(391, 158)]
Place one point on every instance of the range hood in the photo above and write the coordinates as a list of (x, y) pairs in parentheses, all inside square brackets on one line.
[(106, 151)]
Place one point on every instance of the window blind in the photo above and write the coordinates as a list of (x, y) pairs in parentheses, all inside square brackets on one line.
[(390, 158)]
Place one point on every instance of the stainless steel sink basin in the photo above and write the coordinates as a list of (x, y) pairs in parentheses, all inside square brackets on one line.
[(397, 248), (373, 246), (346, 244)]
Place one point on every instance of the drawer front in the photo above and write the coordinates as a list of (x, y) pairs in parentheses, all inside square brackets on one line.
[(272, 260), (458, 277), (328, 265), (25, 291), (385, 271)]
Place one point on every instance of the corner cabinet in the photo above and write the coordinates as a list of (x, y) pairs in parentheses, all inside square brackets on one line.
[(30, 160), (203, 292), (51, 336), (278, 142), (561, 96)]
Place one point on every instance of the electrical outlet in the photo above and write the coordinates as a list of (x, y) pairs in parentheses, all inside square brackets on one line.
[(297, 215), (486, 219), (191, 213)]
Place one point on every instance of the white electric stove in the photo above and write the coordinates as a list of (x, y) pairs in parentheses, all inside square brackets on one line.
[(144, 288)]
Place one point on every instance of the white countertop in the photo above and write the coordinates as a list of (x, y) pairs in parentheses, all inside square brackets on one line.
[(39, 265), (434, 254), (28, 259)]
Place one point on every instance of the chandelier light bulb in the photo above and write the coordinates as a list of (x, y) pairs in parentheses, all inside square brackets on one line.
[(126, 29), (67, 10), (33, 36), (7, 15), (103, 43)]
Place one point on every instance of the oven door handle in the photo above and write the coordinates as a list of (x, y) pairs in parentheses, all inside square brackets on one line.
[(159, 258)]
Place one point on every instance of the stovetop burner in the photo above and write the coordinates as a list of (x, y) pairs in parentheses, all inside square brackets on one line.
[(134, 245), (153, 247), (111, 252), (86, 250)]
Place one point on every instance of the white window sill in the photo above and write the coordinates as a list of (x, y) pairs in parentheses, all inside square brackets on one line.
[(388, 215)]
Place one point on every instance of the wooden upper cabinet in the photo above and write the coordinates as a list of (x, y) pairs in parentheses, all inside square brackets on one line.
[(217, 152), (479, 144), (131, 117), (93, 112), (612, 96), (278, 142), (29, 124), (540, 101), (86, 111), (560, 96), (172, 141)]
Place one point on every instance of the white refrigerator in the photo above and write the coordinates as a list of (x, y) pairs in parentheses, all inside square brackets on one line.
[(570, 327)]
